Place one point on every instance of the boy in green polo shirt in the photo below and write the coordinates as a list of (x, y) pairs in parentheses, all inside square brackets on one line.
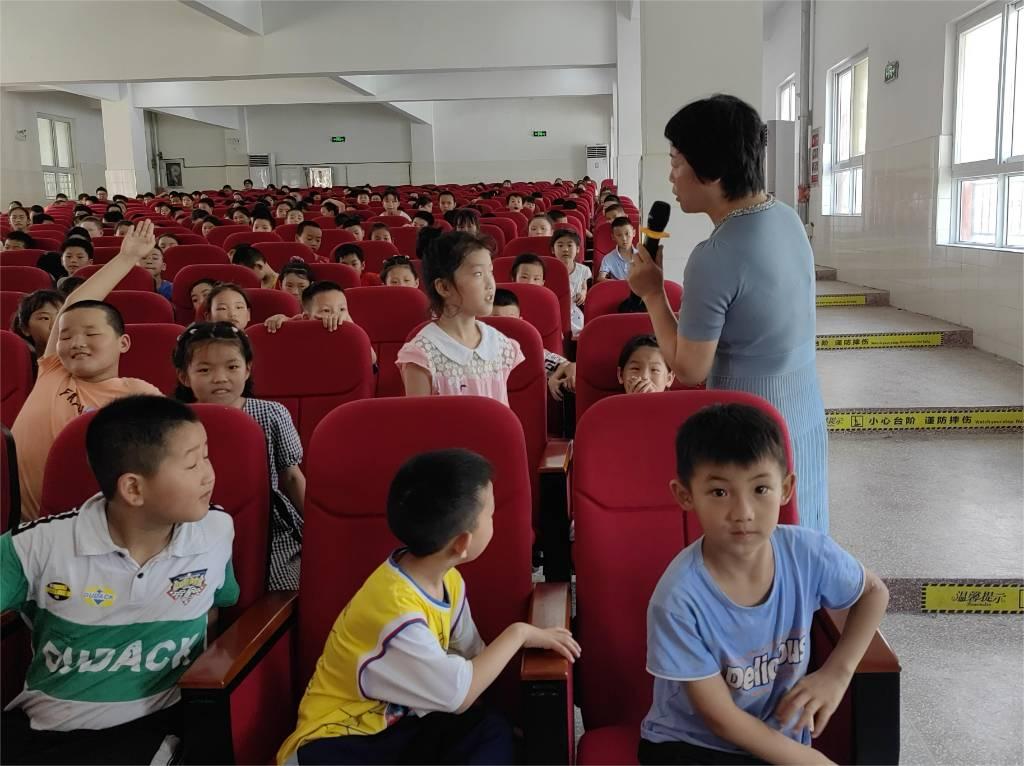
[(118, 592)]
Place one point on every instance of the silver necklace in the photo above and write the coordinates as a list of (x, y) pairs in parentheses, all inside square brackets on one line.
[(755, 208)]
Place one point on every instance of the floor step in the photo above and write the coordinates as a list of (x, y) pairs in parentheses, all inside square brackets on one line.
[(834, 293), (825, 272), (848, 328)]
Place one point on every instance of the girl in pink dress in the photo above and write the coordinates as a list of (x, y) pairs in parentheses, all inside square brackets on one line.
[(456, 355)]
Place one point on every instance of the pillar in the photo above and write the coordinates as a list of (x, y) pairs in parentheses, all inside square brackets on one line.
[(124, 140)]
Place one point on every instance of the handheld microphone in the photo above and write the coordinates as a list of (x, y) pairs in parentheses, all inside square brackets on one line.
[(657, 220)]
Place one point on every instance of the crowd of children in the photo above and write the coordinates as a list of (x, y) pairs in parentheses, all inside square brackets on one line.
[(403, 668)]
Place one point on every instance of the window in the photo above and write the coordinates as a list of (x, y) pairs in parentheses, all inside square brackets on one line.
[(786, 105), (847, 137), (56, 157), (988, 139), (320, 178)]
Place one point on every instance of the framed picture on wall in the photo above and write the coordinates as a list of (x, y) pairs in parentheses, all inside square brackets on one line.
[(173, 173)]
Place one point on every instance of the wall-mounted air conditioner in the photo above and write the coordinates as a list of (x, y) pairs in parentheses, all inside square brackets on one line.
[(262, 170), (597, 162)]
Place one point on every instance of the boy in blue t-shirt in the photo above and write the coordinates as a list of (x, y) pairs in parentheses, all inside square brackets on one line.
[(728, 625)]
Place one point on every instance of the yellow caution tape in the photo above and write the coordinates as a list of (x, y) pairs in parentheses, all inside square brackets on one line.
[(977, 598), (925, 419), (842, 300), (880, 340)]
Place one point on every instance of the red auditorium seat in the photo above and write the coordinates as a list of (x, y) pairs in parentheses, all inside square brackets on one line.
[(136, 279), (101, 255), (605, 297), (219, 234), (539, 306), (326, 222), (376, 253), (405, 240), (603, 242), (520, 245), (10, 487), (311, 370), (495, 233), (51, 230), (331, 239), (389, 315), (521, 221), (346, 537), (277, 254), (266, 303), (18, 375), (556, 279), (186, 237), (580, 229), (286, 231), (249, 238), (107, 241), (47, 244), (9, 300), (24, 279), (391, 221), (149, 357), (26, 257), (626, 534), (340, 273), (184, 313), (177, 258), (138, 307)]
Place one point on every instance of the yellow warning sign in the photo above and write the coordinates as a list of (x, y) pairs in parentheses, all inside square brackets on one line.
[(925, 419), (880, 340), (977, 598), (842, 300)]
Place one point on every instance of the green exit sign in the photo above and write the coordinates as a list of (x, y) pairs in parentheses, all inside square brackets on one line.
[(540, 134), (337, 139)]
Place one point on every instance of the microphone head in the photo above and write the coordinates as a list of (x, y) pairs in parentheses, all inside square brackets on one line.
[(657, 218)]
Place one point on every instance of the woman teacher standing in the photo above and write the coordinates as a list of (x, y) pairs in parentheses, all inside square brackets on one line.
[(747, 319)]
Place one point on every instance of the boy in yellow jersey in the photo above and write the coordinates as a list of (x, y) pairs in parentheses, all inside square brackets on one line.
[(404, 663)]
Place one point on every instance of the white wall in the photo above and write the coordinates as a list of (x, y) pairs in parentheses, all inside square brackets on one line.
[(492, 139), (781, 52), (893, 244), (208, 161), (20, 172)]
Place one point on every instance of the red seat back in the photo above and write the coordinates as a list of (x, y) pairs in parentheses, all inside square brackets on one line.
[(520, 221), (177, 258), (341, 273), (556, 279), (310, 370), (138, 307), (238, 452), (24, 279), (184, 312), (627, 532), (136, 279), (520, 245), (603, 242), (495, 233), (388, 315), (219, 234), (101, 255), (404, 239), (539, 306), (149, 356), (375, 253), (249, 238), (277, 254), (508, 227), (331, 239), (47, 244), (267, 303), (107, 241), (605, 297), (17, 379), (346, 533), (391, 221), (9, 302), (286, 231), (10, 491), (185, 237), (26, 257)]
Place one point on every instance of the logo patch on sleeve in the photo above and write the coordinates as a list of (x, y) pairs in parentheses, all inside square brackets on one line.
[(99, 595), (187, 585), (58, 591)]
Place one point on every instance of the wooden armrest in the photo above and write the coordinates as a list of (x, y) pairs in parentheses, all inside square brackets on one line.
[(879, 657), (549, 608), (557, 456), (228, 656)]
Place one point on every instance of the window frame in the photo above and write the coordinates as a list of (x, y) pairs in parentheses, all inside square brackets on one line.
[(1002, 166), (788, 84), (830, 151), (71, 189)]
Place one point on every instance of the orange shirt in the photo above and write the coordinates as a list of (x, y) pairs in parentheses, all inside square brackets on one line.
[(56, 399)]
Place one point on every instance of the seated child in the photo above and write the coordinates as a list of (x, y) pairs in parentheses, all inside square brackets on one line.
[(613, 211), (165, 241), (615, 265), (19, 240), (199, 290), (262, 221), (154, 263), (35, 317), (456, 354), (423, 219), (74, 254), (528, 269), (565, 244), (309, 234), (391, 201), (101, 689), (67, 285), (351, 254), (283, 208), (214, 365), (296, 276), (123, 227), (294, 216), (227, 302), (209, 224), (561, 372), (78, 368), (465, 219), (398, 271), (406, 695), (728, 625), (642, 368), (380, 233), (514, 202), (363, 198), (540, 226), (251, 258), (353, 225), (446, 201), (240, 217)]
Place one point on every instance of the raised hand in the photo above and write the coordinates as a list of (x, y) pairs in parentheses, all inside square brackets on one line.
[(139, 242)]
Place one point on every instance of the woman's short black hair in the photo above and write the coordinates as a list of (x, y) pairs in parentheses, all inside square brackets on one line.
[(435, 497), (722, 138)]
